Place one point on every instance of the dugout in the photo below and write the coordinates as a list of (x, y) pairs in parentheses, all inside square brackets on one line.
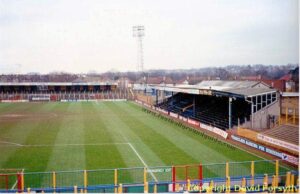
[(222, 104)]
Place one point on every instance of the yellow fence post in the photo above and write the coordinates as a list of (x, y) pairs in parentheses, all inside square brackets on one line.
[(228, 184), (176, 187), (276, 181), (146, 187), (288, 179), (292, 182), (227, 169), (252, 173), (266, 182), (273, 181), (188, 188), (116, 180), (54, 180), (243, 186), (145, 175), (155, 188), (243, 182), (120, 189), (85, 180), (75, 189), (210, 187), (22, 181)]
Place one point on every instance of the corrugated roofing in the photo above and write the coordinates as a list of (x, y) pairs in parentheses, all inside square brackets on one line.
[(227, 84), (221, 87), (251, 91)]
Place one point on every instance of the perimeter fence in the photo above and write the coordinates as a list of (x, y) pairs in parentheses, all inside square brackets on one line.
[(153, 179)]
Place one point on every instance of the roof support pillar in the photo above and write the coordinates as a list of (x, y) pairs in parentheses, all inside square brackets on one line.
[(156, 97), (229, 115), (194, 106), (252, 110)]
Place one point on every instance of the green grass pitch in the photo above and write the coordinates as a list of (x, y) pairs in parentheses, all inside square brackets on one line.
[(59, 136)]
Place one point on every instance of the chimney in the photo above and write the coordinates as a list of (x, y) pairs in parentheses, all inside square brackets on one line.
[(259, 77)]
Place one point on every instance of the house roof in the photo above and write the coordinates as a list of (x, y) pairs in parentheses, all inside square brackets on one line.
[(277, 84), (156, 80), (55, 83), (286, 77), (251, 78)]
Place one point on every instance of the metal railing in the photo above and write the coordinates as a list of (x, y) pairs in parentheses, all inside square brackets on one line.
[(160, 178)]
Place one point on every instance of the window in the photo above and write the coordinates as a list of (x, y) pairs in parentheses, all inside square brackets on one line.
[(273, 97), (269, 98), (264, 100), (258, 103)]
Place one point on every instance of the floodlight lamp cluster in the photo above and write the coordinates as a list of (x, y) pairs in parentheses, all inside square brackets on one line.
[(138, 31)]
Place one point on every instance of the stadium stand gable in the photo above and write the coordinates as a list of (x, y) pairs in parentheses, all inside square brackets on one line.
[(227, 103)]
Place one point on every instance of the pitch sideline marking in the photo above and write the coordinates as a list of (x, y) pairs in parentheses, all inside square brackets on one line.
[(13, 187), (141, 159)]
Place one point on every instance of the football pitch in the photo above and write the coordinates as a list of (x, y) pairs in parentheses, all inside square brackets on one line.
[(62, 136)]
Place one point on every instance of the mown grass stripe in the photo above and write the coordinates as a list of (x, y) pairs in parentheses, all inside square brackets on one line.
[(191, 146), (158, 142), (25, 133), (75, 138), (119, 156), (109, 156), (71, 131)]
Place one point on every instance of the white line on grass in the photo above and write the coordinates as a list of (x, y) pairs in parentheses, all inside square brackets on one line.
[(11, 143), (138, 155), (60, 145), (13, 187), (141, 159), (72, 144)]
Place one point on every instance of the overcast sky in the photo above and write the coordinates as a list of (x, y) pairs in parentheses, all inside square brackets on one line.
[(79, 36)]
